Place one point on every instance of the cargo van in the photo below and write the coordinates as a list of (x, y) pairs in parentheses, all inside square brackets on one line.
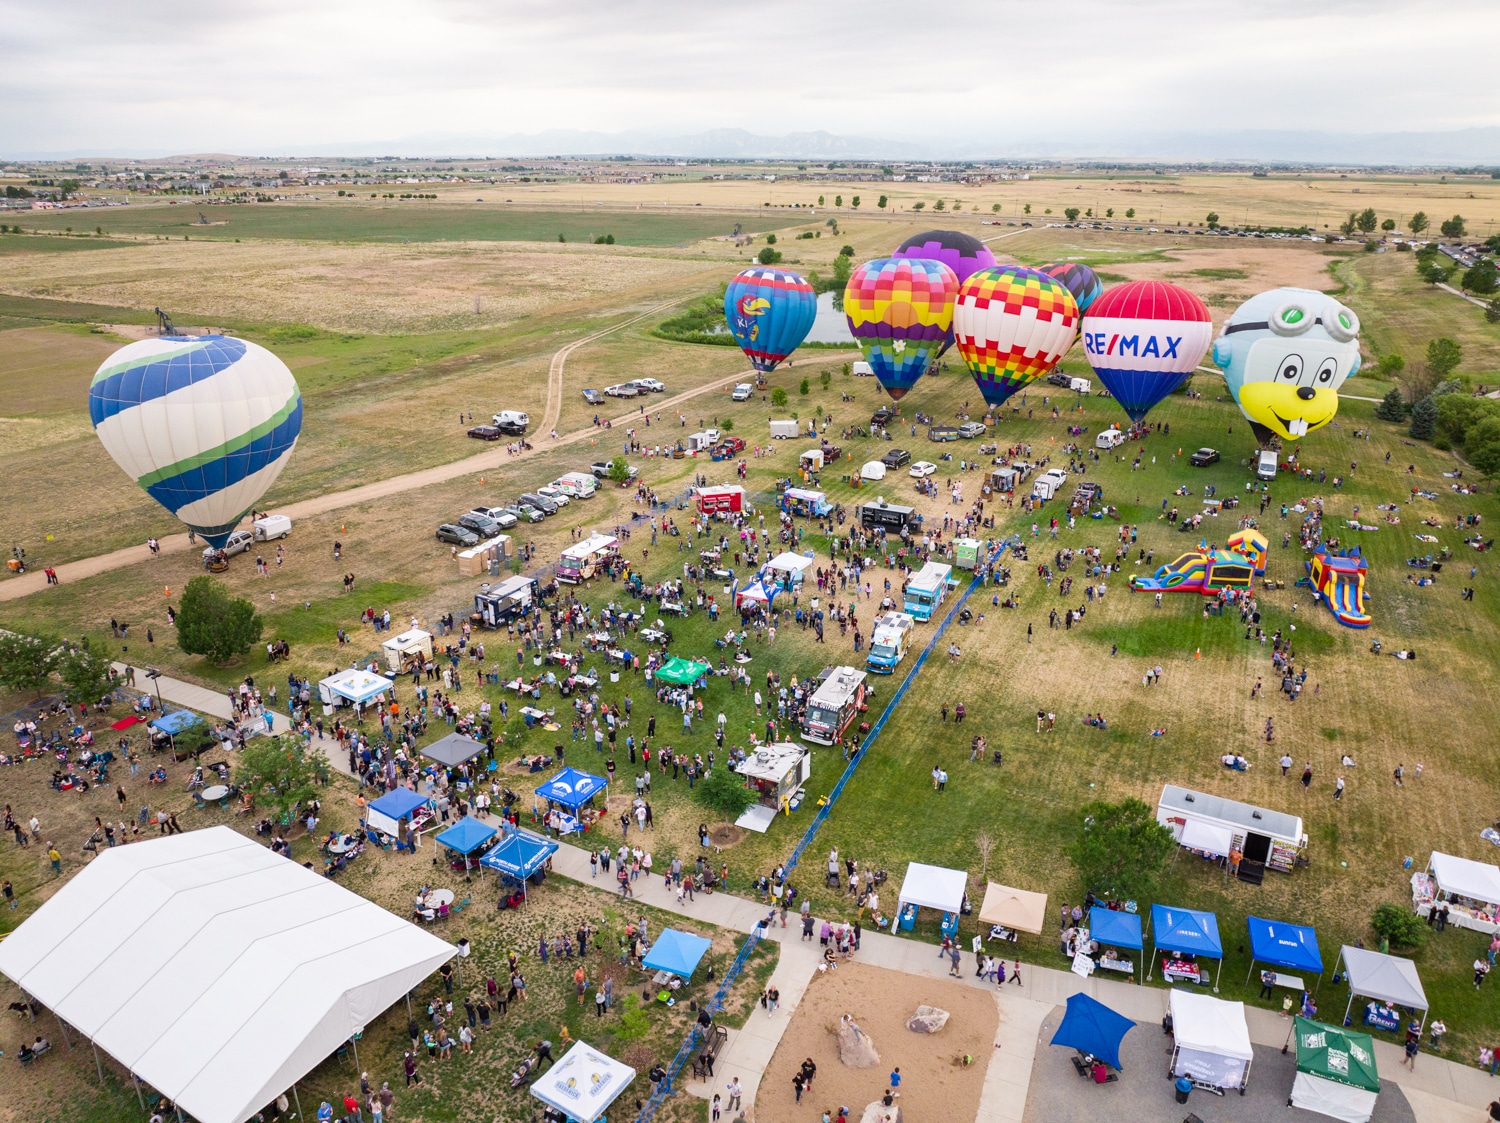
[(1110, 438), (578, 485), (1265, 464), (781, 430), (270, 527), (1049, 483)]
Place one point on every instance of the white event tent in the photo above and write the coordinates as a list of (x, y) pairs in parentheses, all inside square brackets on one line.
[(933, 887), (216, 971), (1211, 1040), (1386, 978)]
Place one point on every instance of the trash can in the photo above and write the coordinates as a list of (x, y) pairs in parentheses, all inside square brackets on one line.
[(1184, 1086)]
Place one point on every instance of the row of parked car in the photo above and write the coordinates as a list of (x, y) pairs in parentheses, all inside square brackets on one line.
[(625, 390), (474, 526)]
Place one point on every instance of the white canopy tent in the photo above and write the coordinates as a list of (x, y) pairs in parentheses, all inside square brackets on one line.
[(1207, 837), (1388, 978), (583, 1084), (788, 562), (354, 685), (215, 970), (933, 887), (1211, 1042), (1462, 877)]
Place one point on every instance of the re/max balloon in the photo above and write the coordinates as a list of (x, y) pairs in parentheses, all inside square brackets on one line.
[(900, 310), (1143, 339), (769, 313), (1012, 325), (204, 423), (1079, 279)]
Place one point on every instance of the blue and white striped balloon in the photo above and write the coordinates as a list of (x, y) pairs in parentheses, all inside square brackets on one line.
[(204, 423)]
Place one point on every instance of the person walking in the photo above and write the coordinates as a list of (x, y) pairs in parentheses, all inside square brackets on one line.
[(1481, 969), (735, 1092), (1307, 776), (1338, 789)]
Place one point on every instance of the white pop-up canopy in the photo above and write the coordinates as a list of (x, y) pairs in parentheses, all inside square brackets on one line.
[(1461, 877), (788, 562), (1207, 837), (933, 887), (215, 970), (583, 1084), (1388, 978), (1212, 1042), (354, 685)]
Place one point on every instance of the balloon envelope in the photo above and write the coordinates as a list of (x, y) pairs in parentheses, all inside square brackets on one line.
[(962, 253), (1012, 325), (204, 423), (769, 313), (900, 310), (1144, 339), (1079, 279)]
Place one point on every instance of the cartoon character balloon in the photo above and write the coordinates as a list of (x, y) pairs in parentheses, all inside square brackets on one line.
[(1285, 353), (1143, 339), (1079, 279), (204, 423), (1012, 326), (769, 312), (960, 252), (900, 310)]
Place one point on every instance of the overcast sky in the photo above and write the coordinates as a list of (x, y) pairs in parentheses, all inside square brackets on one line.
[(276, 76)]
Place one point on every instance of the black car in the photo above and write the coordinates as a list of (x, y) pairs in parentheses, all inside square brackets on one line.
[(883, 416), (1204, 457), (540, 502), (896, 457), (458, 535), (1057, 378), (485, 433), (479, 523)]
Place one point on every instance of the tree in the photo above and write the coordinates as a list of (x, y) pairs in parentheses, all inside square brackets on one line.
[(803, 387), (1400, 926), (1459, 413), (85, 671), (1089, 213), (1070, 213), (1212, 220), (770, 239), (1492, 243), (1481, 278), (768, 256), (1443, 357), (562, 238), (1388, 225), (846, 251), (986, 846), (214, 624), (280, 772), (1346, 228), (1431, 272), (1367, 220), (825, 378), (1392, 407), (1026, 209), (938, 205), (1492, 312), (723, 792), (1454, 227), (881, 202), (1418, 222), (820, 200), (838, 200), (1482, 445), (1121, 848), (854, 202), (27, 662), (1390, 365), (619, 470), (1130, 213), (918, 205), (778, 398), (995, 208), (843, 265), (1109, 213), (1423, 419)]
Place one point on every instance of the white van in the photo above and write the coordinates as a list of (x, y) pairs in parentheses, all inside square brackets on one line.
[(1110, 438), (578, 485), (781, 430), (1265, 464), (271, 527), (1049, 483)]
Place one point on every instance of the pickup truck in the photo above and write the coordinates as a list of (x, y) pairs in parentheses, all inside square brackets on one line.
[(600, 468)]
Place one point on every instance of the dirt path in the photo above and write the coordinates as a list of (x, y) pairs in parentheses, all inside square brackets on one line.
[(560, 362)]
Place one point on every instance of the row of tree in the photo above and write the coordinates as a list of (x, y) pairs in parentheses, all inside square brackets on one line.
[(1437, 406)]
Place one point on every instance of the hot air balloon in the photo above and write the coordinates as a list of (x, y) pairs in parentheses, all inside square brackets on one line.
[(900, 310), (204, 423), (1080, 280), (962, 253), (1012, 326), (1144, 339), (769, 312)]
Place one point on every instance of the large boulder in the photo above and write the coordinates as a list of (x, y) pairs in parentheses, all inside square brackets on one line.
[(927, 1019), (877, 1112), (855, 1047)]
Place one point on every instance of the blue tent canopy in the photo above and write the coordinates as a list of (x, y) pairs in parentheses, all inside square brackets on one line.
[(175, 722), (466, 836), (572, 788), (1092, 1027), (677, 952), (519, 854), (398, 804), (1277, 944), (1186, 930), (1117, 929)]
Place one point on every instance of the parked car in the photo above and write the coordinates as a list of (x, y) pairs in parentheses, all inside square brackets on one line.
[(554, 493), (1204, 457), (499, 514), (238, 543), (922, 468), (486, 433), (600, 468), (480, 524), (1058, 378), (623, 390), (526, 513), (540, 502), (649, 385), (742, 392), (593, 397), (458, 535), (895, 458), (971, 429), (511, 422), (883, 416)]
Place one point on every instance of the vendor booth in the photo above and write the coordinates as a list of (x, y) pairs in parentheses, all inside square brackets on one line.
[(724, 498), (1008, 911), (1093, 1029), (676, 953), (519, 855), (496, 605), (755, 592), (804, 502), (1389, 981), (468, 839), (1293, 947), (776, 773), (402, 805), (1213, 825), (1210, 1041), (785, 570), (1336, 1073), (1187, 935), (412, 647), (571, 791), (453, 750), (584, 560), (583, 1084), (681, 672), (354, 687), (1111, 932), (931, 887), (811, 460), (1471, 890)]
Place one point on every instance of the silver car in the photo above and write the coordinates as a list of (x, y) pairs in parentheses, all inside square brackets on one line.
[(239, 542)]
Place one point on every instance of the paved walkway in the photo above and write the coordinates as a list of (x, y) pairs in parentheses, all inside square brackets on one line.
[(203, 701)]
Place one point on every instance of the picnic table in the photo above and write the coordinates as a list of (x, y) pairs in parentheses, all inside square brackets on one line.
[(1175, 970), (217, 792), (533, 715)]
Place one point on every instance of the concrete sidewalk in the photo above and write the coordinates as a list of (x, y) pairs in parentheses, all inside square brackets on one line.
[(202, 700)]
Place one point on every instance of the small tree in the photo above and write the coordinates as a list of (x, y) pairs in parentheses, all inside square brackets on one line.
[(1392, 407), (778, 398), (986, 846), (1454, 227), (1443, 357), (803, 387), (1431, 272), (727, 424), (619, 470), (938, 205), (214, 624), (846, 251), (27, 662), (1070, 213), (995, 208), (1492, 312), (1346, 228), (85, 672), (1390, 365), (770, 239), (1398, 924), (820, 200), (838, 200), (881, 202), (1130, 213), (1388, 225), (854, 202), (280, 772), (1212, 220), (1367, 220), (1418, 222), (1423, 419), (768, 256), (723, 792), (918, 205), (1121, 848), (824, 379), (1482, 446), (1109, 212)]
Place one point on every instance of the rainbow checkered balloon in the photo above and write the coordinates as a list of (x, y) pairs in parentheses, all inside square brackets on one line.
[(1011, 326), (900, 310)]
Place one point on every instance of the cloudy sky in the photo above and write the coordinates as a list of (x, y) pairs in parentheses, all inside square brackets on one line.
[(280, 76)]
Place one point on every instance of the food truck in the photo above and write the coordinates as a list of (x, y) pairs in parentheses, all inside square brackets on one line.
[(890, 517), (496, 605), (805, 502), (776, 772), (584, 560), (888, 642), (411, 647), (723, 497), (834, 705), (927, 590)]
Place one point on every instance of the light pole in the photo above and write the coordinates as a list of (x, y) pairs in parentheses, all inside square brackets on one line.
[(154, 674)]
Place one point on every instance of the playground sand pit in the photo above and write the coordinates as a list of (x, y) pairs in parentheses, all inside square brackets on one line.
[(934, 1084)]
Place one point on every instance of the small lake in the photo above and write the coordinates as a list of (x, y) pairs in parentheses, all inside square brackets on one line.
[(830, 325)]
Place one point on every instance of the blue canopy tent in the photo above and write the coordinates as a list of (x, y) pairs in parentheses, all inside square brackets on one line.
[(518, 855), (175, 722), (572, 789), (678, 953), (1118, 930), (1186, 931), (387, 813), (1093, 1029), (1277, 944), (466, 836)]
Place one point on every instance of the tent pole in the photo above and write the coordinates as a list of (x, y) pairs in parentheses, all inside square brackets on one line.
[(296, 1099), (98, 1064), (354, 1044), (1153, 962), (140, 1099), (1250, 972), (1349, 1005), (63, 1027), (1219, 974), (408, 1006)]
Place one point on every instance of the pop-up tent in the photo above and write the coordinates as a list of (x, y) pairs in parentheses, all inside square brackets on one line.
[(1470, 889), (1117, 930), (1336, 1072), (785, 569), (678, 953), (1278, 944), (519, 855), (1093, 1028), (387, 813), (931, 887), (466, 836), (1211, 1042), (681, 672), (1020, 909), (354, 685), (1186, 931), (572, 789), (1386, 978), (583, 1084), (453, 750), (755, 590), (175, 722)]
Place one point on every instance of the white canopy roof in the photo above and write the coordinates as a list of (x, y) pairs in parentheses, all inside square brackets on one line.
[(1211, 839), (788, 562), (409, 640), (1465, 878), (933, 887), (217, 971), (357, 685), (1328, 1097), (583, 1084), (1210, 1025), (1386, 977)]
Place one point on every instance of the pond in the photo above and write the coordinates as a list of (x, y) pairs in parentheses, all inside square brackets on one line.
[(830, 325)]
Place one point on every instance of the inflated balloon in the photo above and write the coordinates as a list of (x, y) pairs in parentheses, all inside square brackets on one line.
[(1080, 280), (1143, 340), (769, 312), (1012, 325), (1285, 353), (900, 310), (204, 423), (962, 253)]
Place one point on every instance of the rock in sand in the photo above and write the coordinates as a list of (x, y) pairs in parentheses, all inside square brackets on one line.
[(927, 1019)]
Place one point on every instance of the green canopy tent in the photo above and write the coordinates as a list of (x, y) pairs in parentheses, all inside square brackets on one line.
[(681, 672), (1336, 1072)]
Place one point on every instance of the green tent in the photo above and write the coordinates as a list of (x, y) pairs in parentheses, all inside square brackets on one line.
[(681, 672), (1336, 1072)]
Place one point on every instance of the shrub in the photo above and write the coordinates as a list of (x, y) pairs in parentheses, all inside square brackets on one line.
[(1398, 924), (768, 256), (804, 387), (723, 792)]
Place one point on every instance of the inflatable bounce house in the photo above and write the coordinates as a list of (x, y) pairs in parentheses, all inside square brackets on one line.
[(1253, 545), (1338, 580), (1201, 571)]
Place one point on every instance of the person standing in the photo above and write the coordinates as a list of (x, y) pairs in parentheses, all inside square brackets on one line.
[(1481, 969), (1398, 774), (1338, 789), (1307, 776)]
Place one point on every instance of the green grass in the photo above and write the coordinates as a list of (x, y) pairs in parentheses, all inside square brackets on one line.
[(1220, 274), (300, 626), (34, 308), (30, 243), (1400, 313)]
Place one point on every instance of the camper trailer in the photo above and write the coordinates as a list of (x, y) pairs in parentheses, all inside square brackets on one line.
[(496, 605), (834, 705), (1211, 824), (927, 590), (584, 560)]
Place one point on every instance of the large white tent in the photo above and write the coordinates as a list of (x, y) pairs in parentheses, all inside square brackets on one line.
[(1463, 877), (1388, 978), (933, 887), (583, 1083), (354, 685), (216, 971), (1211, 1040)]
